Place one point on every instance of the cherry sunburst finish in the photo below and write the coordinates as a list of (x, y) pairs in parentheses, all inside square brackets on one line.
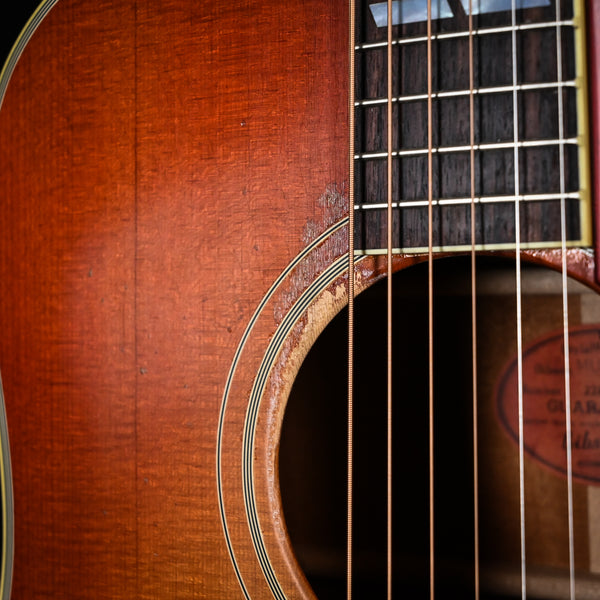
[(174, 222)]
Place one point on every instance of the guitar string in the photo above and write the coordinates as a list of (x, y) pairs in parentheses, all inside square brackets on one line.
[(430, 294), (565, 306), (473, 307), (390, 94), (350, 349), (518, 298)]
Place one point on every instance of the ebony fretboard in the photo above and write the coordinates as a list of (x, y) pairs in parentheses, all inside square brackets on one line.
[(545, 85)]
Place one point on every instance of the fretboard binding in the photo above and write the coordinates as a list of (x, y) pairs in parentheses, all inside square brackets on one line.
[(467, 201), (522, 87), (458, 34), (466, 148)]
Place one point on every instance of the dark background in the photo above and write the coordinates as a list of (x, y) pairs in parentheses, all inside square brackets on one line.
[(14, 16)]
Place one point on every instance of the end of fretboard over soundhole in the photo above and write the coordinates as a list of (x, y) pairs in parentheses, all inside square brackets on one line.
[(526, 143)]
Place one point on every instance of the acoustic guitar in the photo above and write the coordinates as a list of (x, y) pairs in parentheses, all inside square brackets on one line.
[(299, 300)]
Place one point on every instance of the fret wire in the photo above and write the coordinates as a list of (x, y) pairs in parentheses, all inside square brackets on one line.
[(565, 305), (465, 247), (466, 148), (458, 34), (518, 301), (521, 87), (467, 200)]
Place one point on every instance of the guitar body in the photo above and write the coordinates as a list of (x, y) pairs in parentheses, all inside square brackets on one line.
[(162, 164), (174, 223)]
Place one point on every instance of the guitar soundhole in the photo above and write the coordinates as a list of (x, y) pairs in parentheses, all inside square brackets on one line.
[(313, 444)]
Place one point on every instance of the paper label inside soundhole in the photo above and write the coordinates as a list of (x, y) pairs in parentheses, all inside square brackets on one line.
[(544, 417)]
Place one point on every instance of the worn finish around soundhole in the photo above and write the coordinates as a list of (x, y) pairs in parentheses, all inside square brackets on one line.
[(162, 163)]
